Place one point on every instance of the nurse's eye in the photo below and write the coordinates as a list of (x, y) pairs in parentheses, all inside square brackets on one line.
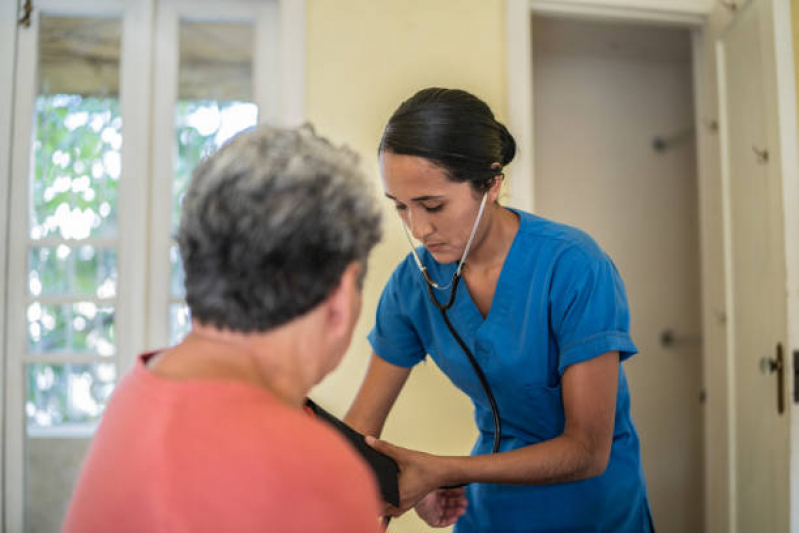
[(433, 208), (400, 207)]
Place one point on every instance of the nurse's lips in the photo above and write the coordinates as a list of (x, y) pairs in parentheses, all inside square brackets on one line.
[(435, 247)]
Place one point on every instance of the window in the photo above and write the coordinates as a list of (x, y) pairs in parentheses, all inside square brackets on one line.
[(94, 276)]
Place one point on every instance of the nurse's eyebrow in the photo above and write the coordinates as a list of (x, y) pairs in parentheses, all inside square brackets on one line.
[(418, 198)]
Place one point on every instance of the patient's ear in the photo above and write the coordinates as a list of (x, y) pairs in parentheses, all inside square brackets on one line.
[(343, 306)]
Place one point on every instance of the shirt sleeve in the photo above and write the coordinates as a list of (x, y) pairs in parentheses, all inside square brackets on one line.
[(394, 338), (588, 309)]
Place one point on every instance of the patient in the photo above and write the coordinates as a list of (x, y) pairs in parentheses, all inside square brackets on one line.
[(210, 435)]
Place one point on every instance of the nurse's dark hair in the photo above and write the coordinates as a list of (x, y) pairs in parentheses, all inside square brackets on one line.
[(454, 130)]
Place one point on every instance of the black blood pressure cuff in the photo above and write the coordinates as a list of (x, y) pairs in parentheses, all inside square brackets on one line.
[(385, 469)]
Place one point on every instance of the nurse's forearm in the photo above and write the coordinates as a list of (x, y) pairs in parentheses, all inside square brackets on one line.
[(562, 459), (380, 388)]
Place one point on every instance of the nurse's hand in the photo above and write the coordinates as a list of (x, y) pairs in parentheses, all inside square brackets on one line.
[(442, 507), (418, 474)]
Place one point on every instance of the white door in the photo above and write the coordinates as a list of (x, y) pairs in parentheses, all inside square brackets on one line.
[(602, 94), (756, 273)]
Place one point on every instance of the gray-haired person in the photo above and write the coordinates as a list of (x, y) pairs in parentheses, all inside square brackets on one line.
[(210, 435)]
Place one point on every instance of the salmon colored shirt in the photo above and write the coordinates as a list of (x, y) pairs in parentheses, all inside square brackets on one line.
[(217, 456)]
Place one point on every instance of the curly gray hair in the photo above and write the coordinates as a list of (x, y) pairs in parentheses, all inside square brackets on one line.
[(269, 224)]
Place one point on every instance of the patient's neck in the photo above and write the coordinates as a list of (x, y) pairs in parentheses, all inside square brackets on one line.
[(271, 360)]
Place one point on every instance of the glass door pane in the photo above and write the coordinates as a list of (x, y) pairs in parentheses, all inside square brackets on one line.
[(214, 102), (71, 260)]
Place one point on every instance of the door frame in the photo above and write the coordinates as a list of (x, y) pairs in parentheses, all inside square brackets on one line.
[(8, 52), (704, 18)]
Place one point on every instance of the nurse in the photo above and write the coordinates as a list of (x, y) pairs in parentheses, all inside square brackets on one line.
[(542, 311)]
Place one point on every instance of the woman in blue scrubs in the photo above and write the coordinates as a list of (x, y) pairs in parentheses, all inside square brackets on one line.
[(544, 312)]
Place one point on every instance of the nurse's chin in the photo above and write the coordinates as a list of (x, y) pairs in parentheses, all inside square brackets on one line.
[(444, 257)]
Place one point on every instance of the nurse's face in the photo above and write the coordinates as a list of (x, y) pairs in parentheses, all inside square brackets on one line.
[(439, 212)]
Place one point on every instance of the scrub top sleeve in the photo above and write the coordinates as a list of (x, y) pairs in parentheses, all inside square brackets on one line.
[(589, 311), (394, 338)]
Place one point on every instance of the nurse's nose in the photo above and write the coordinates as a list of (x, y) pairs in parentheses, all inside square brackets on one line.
[(419, 225)]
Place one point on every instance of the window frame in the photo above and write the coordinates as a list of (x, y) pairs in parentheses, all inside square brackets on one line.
[(132, 87)]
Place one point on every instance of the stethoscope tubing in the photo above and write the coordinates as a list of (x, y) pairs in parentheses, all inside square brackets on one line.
[(477, 369)]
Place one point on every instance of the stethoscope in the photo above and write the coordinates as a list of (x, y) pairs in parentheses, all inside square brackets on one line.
[(430, 284)]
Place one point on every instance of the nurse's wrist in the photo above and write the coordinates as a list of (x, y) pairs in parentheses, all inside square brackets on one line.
[(449, 472)]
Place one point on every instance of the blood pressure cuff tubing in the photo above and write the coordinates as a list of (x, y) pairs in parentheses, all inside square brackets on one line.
[(385, 469)]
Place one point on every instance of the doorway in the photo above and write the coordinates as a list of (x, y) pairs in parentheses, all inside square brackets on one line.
[(615, 156)]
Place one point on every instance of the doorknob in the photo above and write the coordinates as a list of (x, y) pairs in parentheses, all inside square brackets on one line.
[(770, 366)]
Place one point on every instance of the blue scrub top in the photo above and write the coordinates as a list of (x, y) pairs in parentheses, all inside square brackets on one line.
[(559, 301)]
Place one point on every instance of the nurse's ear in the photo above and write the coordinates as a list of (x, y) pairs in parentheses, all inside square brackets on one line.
[(496, 185)]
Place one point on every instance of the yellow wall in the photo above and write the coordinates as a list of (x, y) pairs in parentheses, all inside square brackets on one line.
[(364, 58)]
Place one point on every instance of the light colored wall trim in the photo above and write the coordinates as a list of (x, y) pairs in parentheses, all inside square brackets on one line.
[(684, 12), (165, 90), (24, 94), (721, 77), (789, 160), (704, 191), (293, 61), (8, 38), (520, 101), (681, 12), (135, 105)]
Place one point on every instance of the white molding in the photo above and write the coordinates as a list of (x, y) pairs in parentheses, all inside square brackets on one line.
[(293, 61), (52, 242), (724, 148), (683, 12), (80, 7), (266, 64), (67, 431), (69, 358), (66, 299), (604, 11), (703, 154), (135, 83), (518, 21), (24, 96), (165, 91), (8, 39), (789, 161)]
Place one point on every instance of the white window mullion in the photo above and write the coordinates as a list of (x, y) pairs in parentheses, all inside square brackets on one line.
[(266, 65), (292, 62), (66, 299), (135, 101), (64, 358), (53, 242), (8, 37), (160, 222), (24, 97)]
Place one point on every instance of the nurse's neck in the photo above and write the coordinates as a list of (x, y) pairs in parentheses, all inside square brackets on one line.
[(493, 240)]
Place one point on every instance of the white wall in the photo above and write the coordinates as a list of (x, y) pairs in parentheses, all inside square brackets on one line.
[(602, 93)]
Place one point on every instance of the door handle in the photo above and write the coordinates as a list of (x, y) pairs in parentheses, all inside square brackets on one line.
[(776, 365)]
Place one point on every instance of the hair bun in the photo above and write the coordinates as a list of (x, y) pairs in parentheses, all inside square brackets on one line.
[(508, 144)]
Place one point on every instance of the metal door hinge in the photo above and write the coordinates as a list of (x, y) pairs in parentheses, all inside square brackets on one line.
[(776, 366), (27, 11), (796, 376)]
